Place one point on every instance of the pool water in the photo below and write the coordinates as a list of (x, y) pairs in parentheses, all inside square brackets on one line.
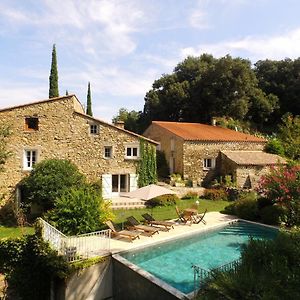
[(172, 261)]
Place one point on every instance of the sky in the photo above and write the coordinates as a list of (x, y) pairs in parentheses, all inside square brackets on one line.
[(122, 46)]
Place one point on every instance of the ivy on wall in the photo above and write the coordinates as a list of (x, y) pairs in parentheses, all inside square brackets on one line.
[(147, 164)]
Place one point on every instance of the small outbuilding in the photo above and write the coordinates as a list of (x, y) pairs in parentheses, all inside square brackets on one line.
[(246, 167)]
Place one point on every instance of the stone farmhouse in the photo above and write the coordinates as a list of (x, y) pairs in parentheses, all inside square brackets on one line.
[(201, 153), (59, 128)]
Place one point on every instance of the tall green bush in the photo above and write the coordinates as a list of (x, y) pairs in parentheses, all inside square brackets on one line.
[(48, 180), (79, 211)]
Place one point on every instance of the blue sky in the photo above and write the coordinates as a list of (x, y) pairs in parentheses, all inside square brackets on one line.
[(122, 46)]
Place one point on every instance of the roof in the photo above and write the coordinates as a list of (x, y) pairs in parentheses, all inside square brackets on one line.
[(39, 102), (254, 158), (118, 128), (203, 132)]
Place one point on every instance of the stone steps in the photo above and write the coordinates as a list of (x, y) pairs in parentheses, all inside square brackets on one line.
[(127, 204)]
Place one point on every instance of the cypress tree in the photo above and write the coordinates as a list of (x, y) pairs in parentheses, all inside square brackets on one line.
[(67, 92), (89, 102), (53, 78)]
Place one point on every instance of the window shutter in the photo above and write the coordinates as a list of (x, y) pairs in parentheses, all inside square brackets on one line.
[(106, 186), (133, 182)]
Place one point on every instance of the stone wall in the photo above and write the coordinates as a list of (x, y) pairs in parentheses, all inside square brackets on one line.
[(64, 133), (195, 152), (164, 137), (244, 176)]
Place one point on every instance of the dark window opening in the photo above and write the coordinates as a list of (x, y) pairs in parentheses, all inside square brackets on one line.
[(31, 123)]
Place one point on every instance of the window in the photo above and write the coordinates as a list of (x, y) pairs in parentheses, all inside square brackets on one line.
[(30, 159), (209, 163), (31, 124), (132, 152), (108, 151), (172, 144), (94, 129)]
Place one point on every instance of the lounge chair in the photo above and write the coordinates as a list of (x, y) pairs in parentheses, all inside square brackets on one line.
[(184, 217), (131, 235), (135, 224), (200, 218), (150, 220)]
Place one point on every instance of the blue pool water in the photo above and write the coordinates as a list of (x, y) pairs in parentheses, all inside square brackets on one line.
[(172, 261)]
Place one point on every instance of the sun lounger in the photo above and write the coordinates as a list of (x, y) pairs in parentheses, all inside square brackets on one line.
[(131, 235), (135, 224), (150, 220), (184, 217)]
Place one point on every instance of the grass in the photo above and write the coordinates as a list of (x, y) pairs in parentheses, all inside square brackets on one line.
[(14, 232), (168, 212)]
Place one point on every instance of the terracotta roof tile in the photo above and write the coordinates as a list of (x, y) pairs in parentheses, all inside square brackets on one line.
[(254, 158), (203, 132)]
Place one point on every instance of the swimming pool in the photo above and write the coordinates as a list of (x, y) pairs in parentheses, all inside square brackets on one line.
[(172, 261)]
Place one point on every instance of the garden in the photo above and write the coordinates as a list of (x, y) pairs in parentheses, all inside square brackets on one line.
[(58, 192)]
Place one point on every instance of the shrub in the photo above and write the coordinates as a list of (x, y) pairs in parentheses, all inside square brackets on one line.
[(215, 194), (247, 209), (269, 269), (282, 185), (233, 193), (48, 180), (274, 146), (271, 214), (79, 211), (29, 265), (230, 209), (190, 195), (164, 200), (263, 202)]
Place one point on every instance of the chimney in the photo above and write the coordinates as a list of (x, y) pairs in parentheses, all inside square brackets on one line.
[(213, 121), (119, 124)]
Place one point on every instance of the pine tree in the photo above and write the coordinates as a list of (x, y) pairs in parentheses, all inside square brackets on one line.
[(67, 92), (53, 78), (89, 102)]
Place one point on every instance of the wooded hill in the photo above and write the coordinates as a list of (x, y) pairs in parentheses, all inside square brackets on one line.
[(231, 89)]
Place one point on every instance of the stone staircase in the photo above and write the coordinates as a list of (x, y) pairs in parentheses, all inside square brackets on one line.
[(126, 203)]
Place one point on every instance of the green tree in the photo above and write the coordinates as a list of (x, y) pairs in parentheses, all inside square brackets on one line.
[(79, 210), (48, 180), (67, 93), (281, 78), (53, 78), (289, 135), (204, 87), (4, 152), (131, 119), (89, 101)]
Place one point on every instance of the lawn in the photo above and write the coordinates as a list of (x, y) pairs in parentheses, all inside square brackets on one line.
[(168, 212), (13, 232)]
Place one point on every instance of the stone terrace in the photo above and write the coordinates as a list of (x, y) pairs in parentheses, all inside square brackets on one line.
[(213, 219)]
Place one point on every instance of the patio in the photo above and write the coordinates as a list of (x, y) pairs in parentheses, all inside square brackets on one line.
[(213, 219)]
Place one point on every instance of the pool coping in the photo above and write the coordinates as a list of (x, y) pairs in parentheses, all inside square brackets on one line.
[(162, 284)]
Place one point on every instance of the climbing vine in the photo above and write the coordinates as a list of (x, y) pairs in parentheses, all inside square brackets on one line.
[(147, 164)]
